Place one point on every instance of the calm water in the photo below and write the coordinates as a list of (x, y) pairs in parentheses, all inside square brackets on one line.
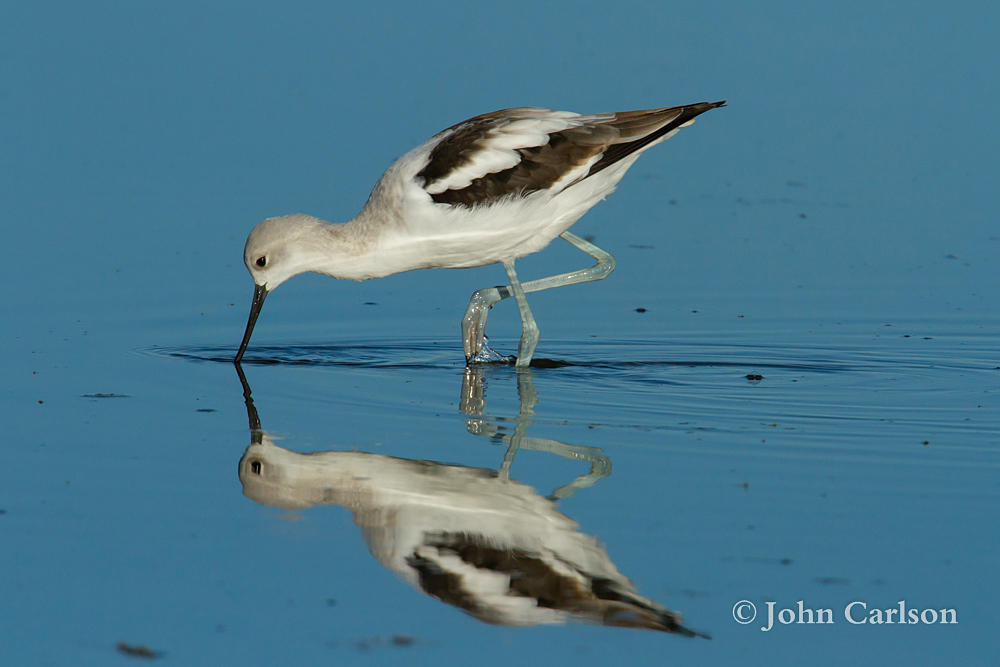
[(806, 409)]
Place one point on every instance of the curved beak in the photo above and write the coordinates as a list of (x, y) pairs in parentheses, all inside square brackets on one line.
[(259, 294)]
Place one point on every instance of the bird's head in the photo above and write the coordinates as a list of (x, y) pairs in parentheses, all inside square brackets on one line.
[(279, 248), (276, 250)]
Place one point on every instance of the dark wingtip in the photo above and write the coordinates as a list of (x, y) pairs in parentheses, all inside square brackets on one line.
[(702, 107), (692, 111)]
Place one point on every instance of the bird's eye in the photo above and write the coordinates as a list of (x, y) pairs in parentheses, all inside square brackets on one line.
[(261, 261)]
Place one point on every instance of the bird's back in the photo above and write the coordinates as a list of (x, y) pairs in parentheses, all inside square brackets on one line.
[(504, 184)]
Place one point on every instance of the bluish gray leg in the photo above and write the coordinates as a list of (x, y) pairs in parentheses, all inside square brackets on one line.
[(529, 330), (474, 322)]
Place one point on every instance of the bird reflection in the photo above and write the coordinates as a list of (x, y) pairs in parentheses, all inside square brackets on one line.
[(471, 537)]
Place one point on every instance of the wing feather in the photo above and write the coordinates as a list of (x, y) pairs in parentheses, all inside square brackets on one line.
[(514, 152)]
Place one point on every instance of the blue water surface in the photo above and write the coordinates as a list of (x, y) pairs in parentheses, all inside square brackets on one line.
[(787, 391)]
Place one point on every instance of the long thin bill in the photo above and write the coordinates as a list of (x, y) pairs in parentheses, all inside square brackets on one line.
[(259, 294)]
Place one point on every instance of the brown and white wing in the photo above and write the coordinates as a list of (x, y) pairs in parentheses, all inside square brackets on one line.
[(514, 152)]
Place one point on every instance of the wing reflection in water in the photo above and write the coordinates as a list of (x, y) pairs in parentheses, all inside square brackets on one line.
[(470, 537)]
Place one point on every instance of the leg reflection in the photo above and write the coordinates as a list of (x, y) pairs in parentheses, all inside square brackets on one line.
[(473, 403)]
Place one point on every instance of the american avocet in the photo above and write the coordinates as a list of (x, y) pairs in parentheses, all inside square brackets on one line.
[(488, 190)]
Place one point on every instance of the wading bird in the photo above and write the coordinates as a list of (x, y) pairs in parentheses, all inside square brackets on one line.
[(488, 190)]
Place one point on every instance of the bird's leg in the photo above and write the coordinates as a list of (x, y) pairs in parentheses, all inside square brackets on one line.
[(529, 330), (474, 322)]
